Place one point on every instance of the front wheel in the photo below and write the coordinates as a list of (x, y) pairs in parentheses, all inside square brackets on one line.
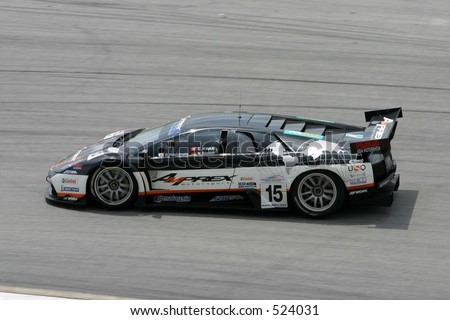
[(113, 187), (318, 193)]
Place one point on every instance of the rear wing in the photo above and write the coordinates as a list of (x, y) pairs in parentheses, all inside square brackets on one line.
[(382, 123), (381, 130)]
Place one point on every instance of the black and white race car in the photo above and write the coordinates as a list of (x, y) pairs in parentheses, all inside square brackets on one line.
[(235, 159)]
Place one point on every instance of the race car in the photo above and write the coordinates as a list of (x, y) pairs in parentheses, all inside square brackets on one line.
[(235, 159)]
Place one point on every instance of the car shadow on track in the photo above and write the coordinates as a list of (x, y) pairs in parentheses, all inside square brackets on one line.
[(92, 208), (397, 216), (364, 213)]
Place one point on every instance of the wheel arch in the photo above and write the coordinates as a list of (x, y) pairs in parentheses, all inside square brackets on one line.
[(302, 173)]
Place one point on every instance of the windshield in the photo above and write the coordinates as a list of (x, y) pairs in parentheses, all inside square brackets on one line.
[(159, 133)]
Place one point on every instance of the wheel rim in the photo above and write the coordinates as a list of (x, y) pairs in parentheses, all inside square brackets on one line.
[(317, 192), (113, 186)]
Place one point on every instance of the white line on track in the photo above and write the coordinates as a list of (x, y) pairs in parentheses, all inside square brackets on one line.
[(16, 293)]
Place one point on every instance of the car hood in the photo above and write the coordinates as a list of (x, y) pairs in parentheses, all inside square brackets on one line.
[(110, 144)]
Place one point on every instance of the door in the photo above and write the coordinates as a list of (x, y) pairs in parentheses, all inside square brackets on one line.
[(191, 162), (259, 166)]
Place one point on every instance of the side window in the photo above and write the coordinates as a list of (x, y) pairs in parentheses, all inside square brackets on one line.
[(197, 143), (293, 141), (244, 143), (263, 140)]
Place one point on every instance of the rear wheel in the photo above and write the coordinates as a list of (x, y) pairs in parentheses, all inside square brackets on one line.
[(113, 187), (317, 193)]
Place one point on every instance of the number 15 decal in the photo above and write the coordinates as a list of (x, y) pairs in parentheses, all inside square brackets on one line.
[(273, 195)]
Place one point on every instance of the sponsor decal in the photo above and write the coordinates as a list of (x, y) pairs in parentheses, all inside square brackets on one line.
[(247, 185), (70, 189), (386, 121), (273, 195), (77, 166), (380, 128), (70, 198), (208, 150), (68, 180), (194, 151), (175, 181), (246, 178), (369, 146), (303, 134), (70, 172), (179, 199), (182, 154), (361, 180), (356, 167), (227, 198), (354, 136), (95, 155), (274, 178), (355, 192)]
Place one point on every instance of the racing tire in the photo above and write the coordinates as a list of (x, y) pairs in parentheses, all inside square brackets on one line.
[(113, 187), (317, 193)]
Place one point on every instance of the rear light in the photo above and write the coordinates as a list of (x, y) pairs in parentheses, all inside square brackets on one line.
[(378, 165), (388, 162)]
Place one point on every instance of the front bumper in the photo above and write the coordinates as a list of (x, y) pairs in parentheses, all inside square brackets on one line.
[(52, 196)]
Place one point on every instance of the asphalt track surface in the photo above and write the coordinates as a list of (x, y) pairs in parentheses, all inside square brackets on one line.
[(73, 71)]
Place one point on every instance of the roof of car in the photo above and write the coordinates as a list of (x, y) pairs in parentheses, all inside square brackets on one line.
[(274, 122)]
